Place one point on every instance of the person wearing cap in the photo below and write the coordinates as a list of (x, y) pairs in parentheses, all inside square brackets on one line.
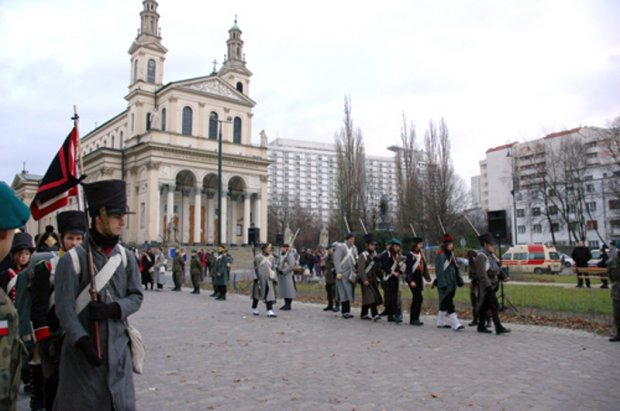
[(48, 241), (416, 271), (14, 214), (613, 271), (394, 268), (329, 272), (367, 272), (221, 270), (489, 274), (286, 263), (264, 276), (447, 281), (178, 269), (47, 331), (345, 259), (87, 380)]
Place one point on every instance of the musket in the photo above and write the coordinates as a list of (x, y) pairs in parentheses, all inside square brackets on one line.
[(412, 230), (471, 225), (443, 229), (290, 246), (346, 224), (363, 226)]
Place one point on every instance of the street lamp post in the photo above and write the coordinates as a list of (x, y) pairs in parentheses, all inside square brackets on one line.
[(219, 180)]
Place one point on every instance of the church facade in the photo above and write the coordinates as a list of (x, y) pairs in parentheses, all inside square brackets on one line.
[(165, 146)]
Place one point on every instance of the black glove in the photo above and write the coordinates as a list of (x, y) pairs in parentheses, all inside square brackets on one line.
[(103, 311), (85, 344)]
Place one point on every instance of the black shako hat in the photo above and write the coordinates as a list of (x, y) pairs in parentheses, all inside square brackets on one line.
[(108, 194), (72, 222), (417, 240), (486, 238), (22, 241), (369, 239)]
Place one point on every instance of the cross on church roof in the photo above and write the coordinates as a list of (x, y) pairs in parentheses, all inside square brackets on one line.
[(214, 65)]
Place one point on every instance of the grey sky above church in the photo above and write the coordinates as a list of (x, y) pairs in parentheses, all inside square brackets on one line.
[(497, 71)]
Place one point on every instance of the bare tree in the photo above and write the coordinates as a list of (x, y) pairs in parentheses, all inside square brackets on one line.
[(407, 179), (444, 193), (351, 174)]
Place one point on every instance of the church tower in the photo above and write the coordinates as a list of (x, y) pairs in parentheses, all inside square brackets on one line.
[(147, 70), (233, 70)]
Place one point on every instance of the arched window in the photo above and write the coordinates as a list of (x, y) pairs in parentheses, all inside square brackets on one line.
[(237, 130), (163, 119), (148, 121), (121, 139), (187, 121), (112, 141), (213, 125), (240, 87), (150, 74), (135, 70)]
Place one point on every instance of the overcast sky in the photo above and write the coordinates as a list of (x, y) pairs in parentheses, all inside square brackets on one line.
[(497, 71)]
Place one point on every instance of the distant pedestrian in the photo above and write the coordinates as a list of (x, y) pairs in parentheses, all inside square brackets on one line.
[(221, 270), (581, 255), (603, 264), (195, 271), (178, 269), (159, 268), (613, 271)]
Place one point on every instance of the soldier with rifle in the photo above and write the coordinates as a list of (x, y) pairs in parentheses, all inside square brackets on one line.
[(264, 276), (367, 272), (345, 261), (393, 267), (95, 362), (416, 271), (286, 263)]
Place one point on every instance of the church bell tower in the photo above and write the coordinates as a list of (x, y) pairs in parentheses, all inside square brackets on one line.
[(234, 70)]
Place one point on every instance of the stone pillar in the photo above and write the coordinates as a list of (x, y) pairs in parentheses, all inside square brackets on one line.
[(233, 218), (170, 214), (153, 203), (223, 224), (257, 211), (197, 214), (246, 218), (185, 193), (211, 217)]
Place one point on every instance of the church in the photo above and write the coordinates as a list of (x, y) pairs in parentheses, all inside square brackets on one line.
[(165, 146)]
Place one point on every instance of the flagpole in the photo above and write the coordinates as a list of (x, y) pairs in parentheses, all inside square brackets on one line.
[(81, 206)]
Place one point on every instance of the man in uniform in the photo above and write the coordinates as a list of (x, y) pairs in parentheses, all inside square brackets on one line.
[(489, 274), (286, 263), (195, 271), (613, 269), (91, 378), (178, 269), (345, 260), (367, 272), (330, 280), (14, 214), (72, 226), (416, 271), (393, 267), (221, 269)]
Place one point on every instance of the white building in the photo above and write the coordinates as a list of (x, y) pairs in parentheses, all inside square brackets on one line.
[(302, 174)]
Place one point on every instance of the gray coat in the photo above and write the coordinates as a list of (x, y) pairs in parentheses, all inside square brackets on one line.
[(264, 287), (159, 269), (345, 259), (367, 272), (81, 385), (285, 275)]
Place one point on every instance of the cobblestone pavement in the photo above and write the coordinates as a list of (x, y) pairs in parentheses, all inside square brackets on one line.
[(214, 355)]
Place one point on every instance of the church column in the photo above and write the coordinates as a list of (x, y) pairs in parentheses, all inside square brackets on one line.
[(223, 224), (197, 219), (233, 218), (257, 211), (185, 193), (210, 217), (170, 214), (153, 209), (246, 218)]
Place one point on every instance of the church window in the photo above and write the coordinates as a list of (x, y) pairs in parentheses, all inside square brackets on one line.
[(112, 141), (163, 119), (135, 70), (240, 87), (237, 131), (238, 52), (213, 125), (148, 121), (150, 77), (187, 121)]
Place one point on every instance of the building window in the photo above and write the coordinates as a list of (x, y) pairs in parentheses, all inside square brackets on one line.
[(591, 206), (150, 74), (240, 87), (213, 125), (590, 188), (163, 119), (148, 121), (536, 211), (555, 227), (112, 141), (553, 210), (520, 212), (614, 204), (593, 243), (592, 225), (237, 130), (537, 228), (135, 70), (187, 121), (521, 229)]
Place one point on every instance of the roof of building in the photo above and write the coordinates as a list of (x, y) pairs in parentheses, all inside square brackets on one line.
[(563, 133), (502, 147)]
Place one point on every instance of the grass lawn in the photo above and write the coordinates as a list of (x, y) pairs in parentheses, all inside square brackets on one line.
[(550, 278)]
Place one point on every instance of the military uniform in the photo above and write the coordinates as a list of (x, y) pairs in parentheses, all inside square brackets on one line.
[(345, 260), (286, 283), (14, 214), (195, 271), (393, 267), (178, 271), (263, 287), (416, 271), (330, 281), (613, 270), (448, 279), (221, 267), (367, 272)]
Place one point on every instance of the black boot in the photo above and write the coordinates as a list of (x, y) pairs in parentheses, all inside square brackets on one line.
[(287, 304), (499, 328), (482, 324), (616, 338), (37, 400)]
